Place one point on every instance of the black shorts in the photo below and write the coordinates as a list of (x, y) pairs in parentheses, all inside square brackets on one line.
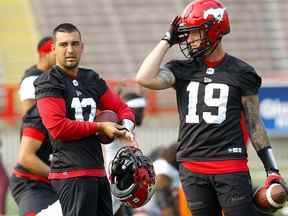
[(84, 196), (31, 196), (210, 194)]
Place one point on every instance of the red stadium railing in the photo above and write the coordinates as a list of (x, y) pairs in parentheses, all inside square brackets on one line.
[(157, 101)]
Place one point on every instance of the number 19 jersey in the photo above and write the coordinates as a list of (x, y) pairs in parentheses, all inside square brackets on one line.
[(209, 105)]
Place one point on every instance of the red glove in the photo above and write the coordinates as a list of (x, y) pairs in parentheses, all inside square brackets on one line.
[(273, 177)]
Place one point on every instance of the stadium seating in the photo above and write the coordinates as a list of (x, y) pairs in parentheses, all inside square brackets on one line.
[(119, 34)]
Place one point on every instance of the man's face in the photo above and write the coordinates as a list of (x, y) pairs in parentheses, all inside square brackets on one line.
[(68, 48), (195, 38)]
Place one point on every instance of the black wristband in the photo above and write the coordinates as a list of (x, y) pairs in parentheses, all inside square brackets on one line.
[(267, 157)]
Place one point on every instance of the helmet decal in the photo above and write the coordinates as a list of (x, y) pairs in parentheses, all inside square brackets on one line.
[(217, 13)]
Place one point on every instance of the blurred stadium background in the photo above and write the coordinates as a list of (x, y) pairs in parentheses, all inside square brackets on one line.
[(118, 34)]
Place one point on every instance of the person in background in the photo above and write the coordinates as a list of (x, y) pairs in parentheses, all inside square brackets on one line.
[(67, 97), (30, 187), (4, 182), (165, 202), (29, 182), (212, 88), (46, 59)]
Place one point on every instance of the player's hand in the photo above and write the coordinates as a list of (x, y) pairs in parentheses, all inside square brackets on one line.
[(274, 177), (173, 36), (128, 138), (110, 129)]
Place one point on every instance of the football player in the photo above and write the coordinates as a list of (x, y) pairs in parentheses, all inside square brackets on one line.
[(212, 88), (46, 61), (29, 182), (67, 98)]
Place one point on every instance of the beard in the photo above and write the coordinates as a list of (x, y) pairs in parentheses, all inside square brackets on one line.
[(72, 65)]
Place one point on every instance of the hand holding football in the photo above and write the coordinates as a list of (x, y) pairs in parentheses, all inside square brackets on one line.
[(106, 116), (272, 198)]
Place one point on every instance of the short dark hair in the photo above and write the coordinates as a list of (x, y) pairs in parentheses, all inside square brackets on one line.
[(43, 41), (65, 27)]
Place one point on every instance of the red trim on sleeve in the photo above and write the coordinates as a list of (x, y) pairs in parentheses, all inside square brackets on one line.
[(53, 113), (111, 101), (244, 130), (216, 167), (33, 133)]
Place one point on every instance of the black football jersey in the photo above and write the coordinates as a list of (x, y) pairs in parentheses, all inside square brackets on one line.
[(32, 71), (209, 105), (32, 119), (81, 96)]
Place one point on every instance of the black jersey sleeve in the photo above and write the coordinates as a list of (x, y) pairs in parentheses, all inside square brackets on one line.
[(249, 82), (175, 67), (49, 84), (32, 120)]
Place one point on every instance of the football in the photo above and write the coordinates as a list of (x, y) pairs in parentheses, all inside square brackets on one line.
[(272, 198), (106, 116)]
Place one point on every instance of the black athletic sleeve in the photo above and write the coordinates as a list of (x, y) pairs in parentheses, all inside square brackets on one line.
[(49, 84), (249, 82)]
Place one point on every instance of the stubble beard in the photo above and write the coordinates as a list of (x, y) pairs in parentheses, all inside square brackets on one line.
[(71, 66)]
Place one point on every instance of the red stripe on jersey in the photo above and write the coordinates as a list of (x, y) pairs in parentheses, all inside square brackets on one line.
[(111, 101), (216, 167), (53, 113), (244, 130), (30, 176), (33, 133), (30, 213), (77, 173)]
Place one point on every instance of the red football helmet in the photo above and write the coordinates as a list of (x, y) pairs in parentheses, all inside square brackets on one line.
[(209, 16), (132, 177)]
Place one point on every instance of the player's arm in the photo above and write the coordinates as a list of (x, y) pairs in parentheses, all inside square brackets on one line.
[(150, 75), (28, 158), (259, 138), (53, 114), (258, 134)]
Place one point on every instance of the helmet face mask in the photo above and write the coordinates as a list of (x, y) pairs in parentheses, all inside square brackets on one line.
[(132, 177), (204, 47), (208, 16)]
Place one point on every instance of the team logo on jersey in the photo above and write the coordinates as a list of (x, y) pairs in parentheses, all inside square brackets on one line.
[(235, 150), (210, 71), (217, 13), (207, 80), (75, 82), (78, 93)]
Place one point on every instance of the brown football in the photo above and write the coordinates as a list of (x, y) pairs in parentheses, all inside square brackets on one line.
[(106, 116), (271, 198)]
